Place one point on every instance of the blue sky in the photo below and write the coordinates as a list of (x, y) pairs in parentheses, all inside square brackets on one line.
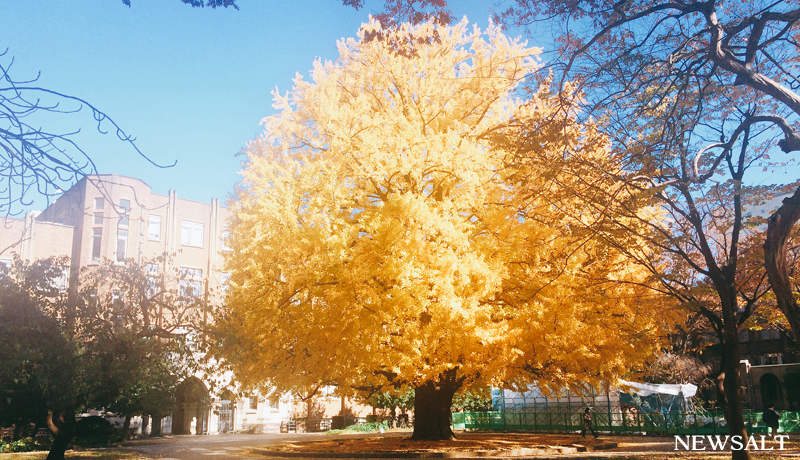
[(191, 84)]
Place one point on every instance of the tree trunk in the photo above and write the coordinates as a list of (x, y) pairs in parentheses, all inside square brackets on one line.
[(155, 428), (126, 426), (63, 429), (18, 432), (719, 382), (432, 402), (779, 226), (732, 380), (733, 399)]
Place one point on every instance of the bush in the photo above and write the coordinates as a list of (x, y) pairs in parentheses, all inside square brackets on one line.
[(95, 431), (369, 427), (26, 445)]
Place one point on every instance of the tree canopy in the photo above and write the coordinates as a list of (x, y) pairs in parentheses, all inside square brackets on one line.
[(382, 234), (36, 359), (694, 95), (66, 352)]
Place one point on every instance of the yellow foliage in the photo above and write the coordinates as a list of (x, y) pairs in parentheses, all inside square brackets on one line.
[(382, 233)]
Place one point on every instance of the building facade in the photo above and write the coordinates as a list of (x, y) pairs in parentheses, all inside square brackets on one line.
[(118, 218)]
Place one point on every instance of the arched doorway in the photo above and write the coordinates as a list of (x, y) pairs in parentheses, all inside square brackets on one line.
[(770, 390), (191, 407)]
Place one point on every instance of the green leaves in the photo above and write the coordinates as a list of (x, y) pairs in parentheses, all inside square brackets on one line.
[(98, 349)]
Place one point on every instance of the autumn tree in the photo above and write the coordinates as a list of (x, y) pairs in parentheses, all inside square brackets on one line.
[(701, 229), (747, 49), (382, 237), (694, 95)]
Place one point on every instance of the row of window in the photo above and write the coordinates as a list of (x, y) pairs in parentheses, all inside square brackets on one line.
[(124, 211), (252, 404), (122, 244), (192, 233), (190, 282), (764, 334), (60, 282), (770, 359)]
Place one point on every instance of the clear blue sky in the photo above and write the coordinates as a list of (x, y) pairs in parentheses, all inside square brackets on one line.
[(191, 84)]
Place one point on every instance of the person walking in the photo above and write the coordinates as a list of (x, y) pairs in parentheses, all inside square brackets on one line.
[(587, 423), (772, 418)]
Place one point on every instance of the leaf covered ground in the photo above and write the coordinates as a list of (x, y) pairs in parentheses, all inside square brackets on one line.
[(473, 442)]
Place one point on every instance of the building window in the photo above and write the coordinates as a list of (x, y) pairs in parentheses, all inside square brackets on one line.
[(122, 245), (98, 218), (769, 334), (191, 233), (774, 334), (99, 202), (154, 228), (744, 335), (151, 270), (253, 403), (226, 277), (226, 236), (190, 283), (97, 238), (124, 212), (117, 296), (62, 280), (151, 273)]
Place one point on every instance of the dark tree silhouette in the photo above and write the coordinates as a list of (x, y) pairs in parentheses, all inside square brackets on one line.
[(414, 11), (35, 161), (122, 342)]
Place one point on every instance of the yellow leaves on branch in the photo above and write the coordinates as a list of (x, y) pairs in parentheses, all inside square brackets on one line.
[(382, 229)]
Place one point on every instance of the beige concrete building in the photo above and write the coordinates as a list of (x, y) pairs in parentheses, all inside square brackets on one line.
[(117, 218)]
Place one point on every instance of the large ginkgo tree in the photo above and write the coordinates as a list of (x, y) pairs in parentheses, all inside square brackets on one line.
[(381, 237)]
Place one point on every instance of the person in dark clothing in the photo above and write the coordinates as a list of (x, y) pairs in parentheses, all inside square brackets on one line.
[(587, 423), (772, 419)]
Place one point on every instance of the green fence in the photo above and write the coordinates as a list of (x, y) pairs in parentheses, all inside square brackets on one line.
[(617, 422)]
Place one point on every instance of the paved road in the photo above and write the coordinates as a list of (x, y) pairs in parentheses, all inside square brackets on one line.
[(192, 447), (237, 446)]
